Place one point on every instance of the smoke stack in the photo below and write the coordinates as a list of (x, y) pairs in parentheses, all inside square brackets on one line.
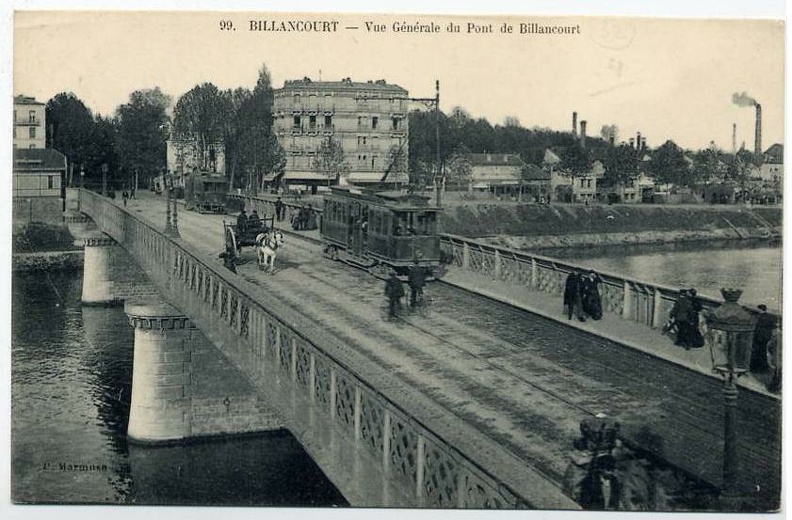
[(734, 137), (574, 124), (583, 134), (632, 142), (758, 135), (643, 143), (637, 140)]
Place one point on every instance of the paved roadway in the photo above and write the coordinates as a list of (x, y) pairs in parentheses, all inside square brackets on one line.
[(518, 378)]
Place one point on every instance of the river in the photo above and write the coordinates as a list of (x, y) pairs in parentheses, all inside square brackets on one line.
[(70, 384), (707, 266)]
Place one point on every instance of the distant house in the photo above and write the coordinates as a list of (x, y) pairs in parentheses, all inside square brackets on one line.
[(772, 169), (536, 182), (38, 187), (498, 173), (29, 123)]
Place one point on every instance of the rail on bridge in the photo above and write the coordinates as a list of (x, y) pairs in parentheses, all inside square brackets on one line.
[(380, 442)]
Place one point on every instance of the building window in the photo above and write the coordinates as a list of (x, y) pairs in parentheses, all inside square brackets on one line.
[(374, 121), (328, 121), (312, 122), (395, 122), (50, 182), (296, 121), (32, 131), (32, 116), (360, 121)]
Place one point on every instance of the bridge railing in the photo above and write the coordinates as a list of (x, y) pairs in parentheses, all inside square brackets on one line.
[(635, 300), (432, 468)]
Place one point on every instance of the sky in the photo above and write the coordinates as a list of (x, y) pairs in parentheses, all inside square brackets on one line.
[(668, 79)]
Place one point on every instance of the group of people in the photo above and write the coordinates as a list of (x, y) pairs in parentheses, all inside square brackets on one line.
[(684, 320), (581, 295), (304, 219), (394, 290), (248, 224)]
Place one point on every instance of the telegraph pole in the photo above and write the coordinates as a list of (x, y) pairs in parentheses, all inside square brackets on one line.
[(435, 103)]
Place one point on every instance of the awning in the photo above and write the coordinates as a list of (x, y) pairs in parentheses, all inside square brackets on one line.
[(481, 186)]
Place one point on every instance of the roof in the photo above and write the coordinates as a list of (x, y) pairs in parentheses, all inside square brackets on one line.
[(775, 153), (550, 157), (344, 84), (26, 100), (38, 159), (494, 159)]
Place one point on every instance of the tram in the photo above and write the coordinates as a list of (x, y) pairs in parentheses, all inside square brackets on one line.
[(380, 231), (206, 192)]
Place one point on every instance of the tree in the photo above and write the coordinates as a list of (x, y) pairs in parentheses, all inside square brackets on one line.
[(330, 160), (142, 125), (621, 165), (458, 169), (709, 166), (609, 133), (103, 149), (511, 121), (669, 166), (72, 128), (575, 159), (201, 119)]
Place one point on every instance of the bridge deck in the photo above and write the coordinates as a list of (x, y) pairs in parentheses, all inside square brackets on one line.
[(517, 378)]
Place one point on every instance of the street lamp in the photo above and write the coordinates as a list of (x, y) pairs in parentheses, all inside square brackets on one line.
[(82, 185), (730, 350)]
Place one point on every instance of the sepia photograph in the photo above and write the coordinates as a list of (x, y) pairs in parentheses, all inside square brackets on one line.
[(314, 259)]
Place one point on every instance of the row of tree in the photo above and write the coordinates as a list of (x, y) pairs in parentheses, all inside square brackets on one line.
[(461, 134), (131, 144)]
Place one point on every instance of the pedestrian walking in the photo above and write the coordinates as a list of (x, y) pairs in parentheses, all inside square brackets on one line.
[(416, 279), (592, 301), (279, 209), (573, 298), (765, 325), (124, 196), (394, 291), (696, 339), (681, 314)]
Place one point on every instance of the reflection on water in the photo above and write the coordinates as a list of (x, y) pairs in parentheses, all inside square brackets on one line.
[(756, 269), (71, 382)]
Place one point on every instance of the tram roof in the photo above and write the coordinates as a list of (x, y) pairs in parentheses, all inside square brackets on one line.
[(397, 198)]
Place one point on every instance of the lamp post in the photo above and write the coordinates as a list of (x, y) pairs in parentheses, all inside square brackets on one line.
[(730, 350), (82, 185)]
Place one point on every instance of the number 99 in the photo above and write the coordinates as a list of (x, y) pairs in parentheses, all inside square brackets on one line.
[(226, 25)]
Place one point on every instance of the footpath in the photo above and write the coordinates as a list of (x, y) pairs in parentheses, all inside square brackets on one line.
[(611, 327)]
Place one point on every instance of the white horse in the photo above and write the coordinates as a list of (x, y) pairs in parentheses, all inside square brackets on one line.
[(267, 245)]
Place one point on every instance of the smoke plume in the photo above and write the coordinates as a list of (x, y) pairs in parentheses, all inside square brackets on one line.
[(742, 99)]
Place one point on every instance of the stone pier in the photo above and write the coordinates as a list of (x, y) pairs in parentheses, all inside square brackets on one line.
[(161, 373), (97, 286)]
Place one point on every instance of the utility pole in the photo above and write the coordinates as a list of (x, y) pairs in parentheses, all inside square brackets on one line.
[(435, 103)]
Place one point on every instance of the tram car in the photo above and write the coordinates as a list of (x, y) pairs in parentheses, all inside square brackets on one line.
[(205, 192), (380, 231)]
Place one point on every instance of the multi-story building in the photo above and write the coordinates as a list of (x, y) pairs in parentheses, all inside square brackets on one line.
[(29, 123), (38, 172), (368, 121)]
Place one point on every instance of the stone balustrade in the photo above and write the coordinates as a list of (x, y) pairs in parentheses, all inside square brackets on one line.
[(348, 410)]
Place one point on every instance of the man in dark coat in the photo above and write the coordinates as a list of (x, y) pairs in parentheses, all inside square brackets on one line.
[(394, 291), (682, 314), (573, 301), (279, 209), (416, 279), (242, 221), (592, 302), (765, 323)]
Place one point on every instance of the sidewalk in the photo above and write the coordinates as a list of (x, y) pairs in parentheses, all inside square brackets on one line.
[(611, 327)]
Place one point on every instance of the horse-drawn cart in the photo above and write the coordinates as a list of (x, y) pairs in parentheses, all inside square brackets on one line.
[(236, 238)]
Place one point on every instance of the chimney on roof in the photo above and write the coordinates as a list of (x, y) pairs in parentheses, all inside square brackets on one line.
[(574, 124), (637, 140), (583, 134), (643, 143), (632, 142)]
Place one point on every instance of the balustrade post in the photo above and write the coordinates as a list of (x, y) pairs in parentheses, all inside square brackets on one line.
[(497, 268), (386, 441), (333, 383), (419, 469), (358, 409), (277, 346), (657, 308), (534, 274), (265, 339), (465, 255), (293, 359), (627, 301), (312, 378)]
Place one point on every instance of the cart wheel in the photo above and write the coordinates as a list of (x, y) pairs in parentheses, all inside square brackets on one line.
[(231, 242)]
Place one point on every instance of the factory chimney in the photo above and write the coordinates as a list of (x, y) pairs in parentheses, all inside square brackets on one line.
[(643, 143), (574, 124), (632, 142), (758, 135), (734, 137), (583, 134), (637, 140)]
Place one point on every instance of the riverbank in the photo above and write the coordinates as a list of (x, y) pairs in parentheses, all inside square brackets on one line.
[(535, 226), (47, 261)]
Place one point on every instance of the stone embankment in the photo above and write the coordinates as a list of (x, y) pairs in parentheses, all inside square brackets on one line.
[(533, 226), (48, 261)]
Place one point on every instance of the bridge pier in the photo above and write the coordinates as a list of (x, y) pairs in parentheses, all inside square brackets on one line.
[(161, 400), (97, 288)]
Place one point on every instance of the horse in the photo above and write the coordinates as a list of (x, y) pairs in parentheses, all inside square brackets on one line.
[(267, 245)]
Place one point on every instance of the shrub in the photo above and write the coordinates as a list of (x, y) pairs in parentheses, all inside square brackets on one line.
[(38, 236)]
